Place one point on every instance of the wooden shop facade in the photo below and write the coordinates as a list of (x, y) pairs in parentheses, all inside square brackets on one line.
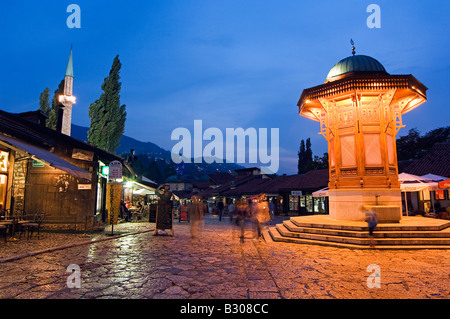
[(47, 172)]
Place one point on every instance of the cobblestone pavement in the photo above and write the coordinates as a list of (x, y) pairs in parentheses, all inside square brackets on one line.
[(216, 265)]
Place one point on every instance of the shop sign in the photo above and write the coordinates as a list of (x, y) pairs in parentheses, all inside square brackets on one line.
[(38, 164), (115, 170), (296, 193)]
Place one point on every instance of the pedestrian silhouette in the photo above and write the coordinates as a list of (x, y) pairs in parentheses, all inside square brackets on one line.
[(372, 222), (196, 213)]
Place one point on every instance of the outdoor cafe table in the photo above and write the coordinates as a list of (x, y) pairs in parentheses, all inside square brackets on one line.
[(12, 224)]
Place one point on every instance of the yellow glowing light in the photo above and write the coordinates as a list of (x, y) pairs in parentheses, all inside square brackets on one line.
[(4, 161), (67, 98), (129, 185)]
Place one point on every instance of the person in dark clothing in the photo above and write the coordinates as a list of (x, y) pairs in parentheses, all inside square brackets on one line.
[(124, 212), (220, 208)]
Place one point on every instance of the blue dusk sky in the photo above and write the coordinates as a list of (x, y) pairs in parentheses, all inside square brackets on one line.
[(228, 63)]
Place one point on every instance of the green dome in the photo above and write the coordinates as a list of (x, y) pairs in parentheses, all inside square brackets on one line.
[(356, 63)]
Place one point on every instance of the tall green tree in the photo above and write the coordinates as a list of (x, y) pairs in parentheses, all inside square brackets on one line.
[(44, 101), (52, 121), (107, 115), (305, 157), (301, 157)]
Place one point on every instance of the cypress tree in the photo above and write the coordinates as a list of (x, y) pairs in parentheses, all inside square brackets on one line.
[(44, 101), (106, 114), (301, 157), (52, 120)]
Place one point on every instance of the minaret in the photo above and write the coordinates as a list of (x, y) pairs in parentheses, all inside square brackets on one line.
[(67, 100)]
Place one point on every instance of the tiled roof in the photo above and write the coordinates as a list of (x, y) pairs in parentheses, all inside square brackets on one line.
[(256, 184), (436, 161), (221, 178), (312, 180)]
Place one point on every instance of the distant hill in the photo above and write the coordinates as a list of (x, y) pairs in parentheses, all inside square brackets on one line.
[(153, 151), (126, 144)]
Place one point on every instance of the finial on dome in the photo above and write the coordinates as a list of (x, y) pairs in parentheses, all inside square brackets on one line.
[(353, 46)]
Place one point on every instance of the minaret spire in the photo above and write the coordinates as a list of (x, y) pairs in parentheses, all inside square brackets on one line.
[(67, 100), (69, 69)]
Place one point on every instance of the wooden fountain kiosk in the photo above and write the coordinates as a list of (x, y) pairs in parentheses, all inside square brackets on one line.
[(360, 108)]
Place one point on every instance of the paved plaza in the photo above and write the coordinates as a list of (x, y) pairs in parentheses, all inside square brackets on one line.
[(215, 265)]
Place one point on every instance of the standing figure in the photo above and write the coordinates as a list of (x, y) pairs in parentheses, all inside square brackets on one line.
[(220, 207), (164, 214)]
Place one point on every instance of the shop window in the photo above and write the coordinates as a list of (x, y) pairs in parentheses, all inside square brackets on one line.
[(440, 194), (319, 205), (4, 161), (3, 187), (309, 203), (303, 201), (293, 203)]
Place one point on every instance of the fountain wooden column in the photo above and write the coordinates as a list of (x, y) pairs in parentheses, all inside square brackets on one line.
[(360, 110)]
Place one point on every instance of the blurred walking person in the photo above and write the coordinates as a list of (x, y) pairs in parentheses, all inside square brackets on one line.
[(260, 214), (196, 213), (372, 222), (242, 212), (231, 210)]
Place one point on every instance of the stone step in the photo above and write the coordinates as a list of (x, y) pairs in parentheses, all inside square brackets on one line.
[(412, 223), (386, 233), (278, 236), (266, 235), (285, 232)]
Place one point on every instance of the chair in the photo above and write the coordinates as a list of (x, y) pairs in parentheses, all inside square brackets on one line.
[(30, 227), (138, 214)]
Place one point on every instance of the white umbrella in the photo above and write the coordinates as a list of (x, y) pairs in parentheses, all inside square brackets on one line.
[(321, 192), (434, 178), (414, 183)]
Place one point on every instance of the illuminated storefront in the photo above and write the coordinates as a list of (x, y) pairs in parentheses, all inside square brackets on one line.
[(4, 163)]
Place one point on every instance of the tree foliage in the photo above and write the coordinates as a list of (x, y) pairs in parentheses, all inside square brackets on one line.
[(414, 145), (52, 121), (306, 160), (51, 110), (107, 115), (44, 101)]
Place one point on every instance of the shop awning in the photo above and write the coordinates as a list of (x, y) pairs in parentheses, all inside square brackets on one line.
[(413, 183), (321, 192), (143, 189), (45, 156), (444, 183)]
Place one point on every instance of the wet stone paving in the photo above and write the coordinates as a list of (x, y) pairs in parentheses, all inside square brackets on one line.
[(215, 265)]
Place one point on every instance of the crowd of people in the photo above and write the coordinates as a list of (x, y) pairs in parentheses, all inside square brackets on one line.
[(256, 210)]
